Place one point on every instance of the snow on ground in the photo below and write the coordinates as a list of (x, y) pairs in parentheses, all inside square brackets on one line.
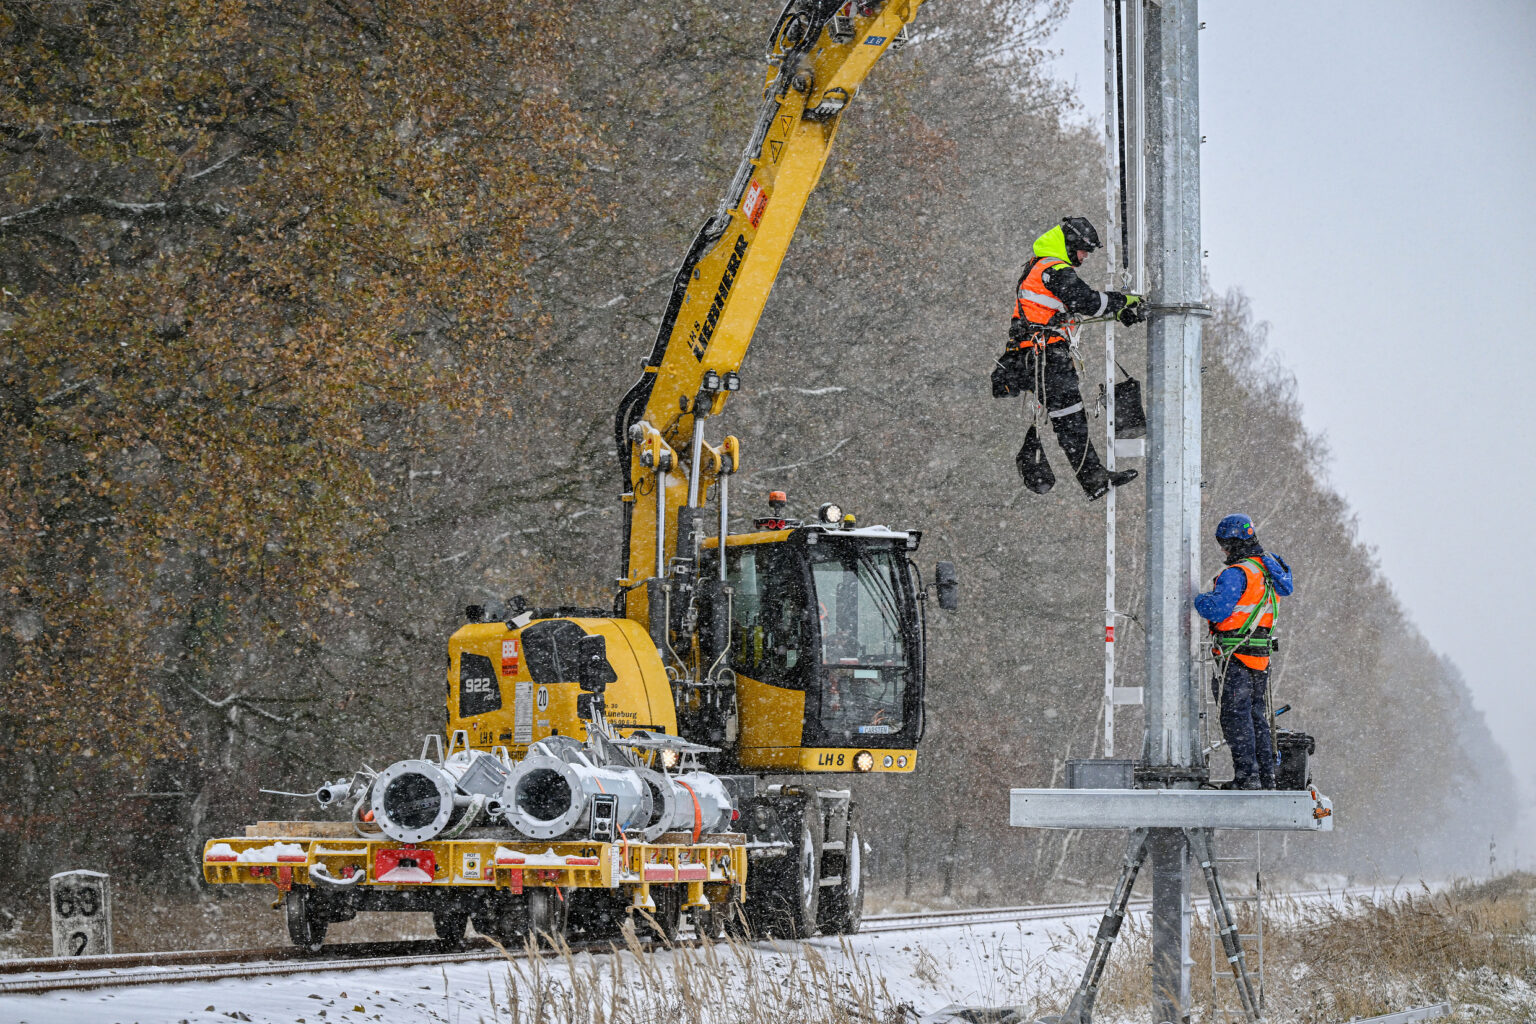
[(992, 964)]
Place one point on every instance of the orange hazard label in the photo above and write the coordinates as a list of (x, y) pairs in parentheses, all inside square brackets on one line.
[(754, 202)]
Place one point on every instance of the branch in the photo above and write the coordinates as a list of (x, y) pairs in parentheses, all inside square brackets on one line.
[(237, 699), (65, 206), (806, 462), (212, 167), (830, 389)]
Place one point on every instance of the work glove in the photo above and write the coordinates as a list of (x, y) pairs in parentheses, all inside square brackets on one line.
[(1133, 312)]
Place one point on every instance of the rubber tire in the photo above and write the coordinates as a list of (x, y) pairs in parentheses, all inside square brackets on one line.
[(504, 920), (663, 923), (449, 926), (789, 903), (842, 905), (306, 918), (597, 914)]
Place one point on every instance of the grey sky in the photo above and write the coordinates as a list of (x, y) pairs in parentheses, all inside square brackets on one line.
[(1366, 180)]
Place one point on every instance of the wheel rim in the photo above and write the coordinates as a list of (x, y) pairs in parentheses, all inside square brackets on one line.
[(807, 867), (855, 878)]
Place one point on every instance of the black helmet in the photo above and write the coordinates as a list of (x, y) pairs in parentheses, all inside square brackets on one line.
[(1080, 236)]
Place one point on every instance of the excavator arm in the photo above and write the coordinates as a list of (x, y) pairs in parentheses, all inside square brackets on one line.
[(820, 52)]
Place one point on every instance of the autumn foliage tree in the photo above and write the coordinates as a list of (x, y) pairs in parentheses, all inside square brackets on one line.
[(252, 253)]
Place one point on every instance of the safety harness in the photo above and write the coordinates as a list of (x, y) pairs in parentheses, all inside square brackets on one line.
[(1242, 639)]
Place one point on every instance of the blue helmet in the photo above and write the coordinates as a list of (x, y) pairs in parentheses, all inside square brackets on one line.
[(1236, 527)]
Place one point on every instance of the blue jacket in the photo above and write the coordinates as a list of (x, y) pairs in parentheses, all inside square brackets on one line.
[(1218, 603)]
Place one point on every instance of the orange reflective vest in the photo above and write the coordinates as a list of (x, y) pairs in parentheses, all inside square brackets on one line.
[(1037, 308), (1246, 634)]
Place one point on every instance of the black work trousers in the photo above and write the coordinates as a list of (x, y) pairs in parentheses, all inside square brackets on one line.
[(1062, 397), (1245, 722)]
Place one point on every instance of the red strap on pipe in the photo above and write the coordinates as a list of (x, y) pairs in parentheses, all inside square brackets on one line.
[(698, 815)]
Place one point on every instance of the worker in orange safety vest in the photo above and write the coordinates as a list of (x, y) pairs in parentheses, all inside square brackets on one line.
[(1049, 299), (1241, 608)]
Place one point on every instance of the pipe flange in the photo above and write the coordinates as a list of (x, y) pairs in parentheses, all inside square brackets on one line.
[(663, 803), (544, 797), (405, 790)]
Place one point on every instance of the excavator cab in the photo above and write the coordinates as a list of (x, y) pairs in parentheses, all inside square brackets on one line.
[(826, 644)]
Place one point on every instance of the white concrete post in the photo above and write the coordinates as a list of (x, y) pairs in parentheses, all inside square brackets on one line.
[(81, 903)]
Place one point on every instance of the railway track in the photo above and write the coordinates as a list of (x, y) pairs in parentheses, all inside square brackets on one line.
[(47, 974)]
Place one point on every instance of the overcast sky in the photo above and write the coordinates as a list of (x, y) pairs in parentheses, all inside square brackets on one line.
[(1367, 181)]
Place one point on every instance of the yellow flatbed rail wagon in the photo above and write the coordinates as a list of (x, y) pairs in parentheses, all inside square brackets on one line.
[(326, 872)]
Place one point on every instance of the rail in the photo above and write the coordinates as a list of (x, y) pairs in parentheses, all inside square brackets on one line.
[(118, 970)]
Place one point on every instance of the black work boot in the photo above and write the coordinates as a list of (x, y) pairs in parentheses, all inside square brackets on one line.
[(1097, 480)]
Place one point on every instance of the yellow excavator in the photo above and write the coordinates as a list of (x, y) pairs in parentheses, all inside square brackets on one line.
[(760, 659), (796, 648)]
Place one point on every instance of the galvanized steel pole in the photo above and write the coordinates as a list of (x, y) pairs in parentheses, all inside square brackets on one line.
[(1173, 253), (1173, 357)]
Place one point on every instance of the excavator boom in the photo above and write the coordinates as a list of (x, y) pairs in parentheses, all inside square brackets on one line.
[(819, 54)]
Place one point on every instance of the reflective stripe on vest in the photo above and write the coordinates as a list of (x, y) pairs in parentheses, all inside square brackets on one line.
[(1036, 305), (1238, 633), (1253, 594)]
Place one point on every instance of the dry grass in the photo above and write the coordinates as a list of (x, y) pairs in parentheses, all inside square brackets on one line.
[(728, 982), (1472, 945)]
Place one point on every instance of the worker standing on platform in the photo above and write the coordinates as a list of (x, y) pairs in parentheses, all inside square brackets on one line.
[(1241, 609), (1041, 355)]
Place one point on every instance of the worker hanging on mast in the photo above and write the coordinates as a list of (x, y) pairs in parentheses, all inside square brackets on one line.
[(1051, 300)]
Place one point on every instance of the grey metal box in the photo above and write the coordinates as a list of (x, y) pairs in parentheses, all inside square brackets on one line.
[(1100, 773)]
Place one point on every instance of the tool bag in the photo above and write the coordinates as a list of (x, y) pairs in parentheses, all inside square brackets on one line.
[(1008, 377), (1130, 419), (1293, 749), (1032, 464)]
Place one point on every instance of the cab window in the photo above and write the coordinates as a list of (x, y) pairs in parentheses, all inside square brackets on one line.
[(860, 594), (768, 608)]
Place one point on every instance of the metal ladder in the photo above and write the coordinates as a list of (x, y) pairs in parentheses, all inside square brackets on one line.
[(1247, 985), (1228, 984)]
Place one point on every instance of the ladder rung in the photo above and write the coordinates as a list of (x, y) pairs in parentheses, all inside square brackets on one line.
[(1248, 936), (1233, 860), (832, 844)]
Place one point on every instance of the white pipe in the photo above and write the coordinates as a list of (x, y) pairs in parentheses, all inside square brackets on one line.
[(725, 515), (1111, 236), (695, 453), (661, 523)]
